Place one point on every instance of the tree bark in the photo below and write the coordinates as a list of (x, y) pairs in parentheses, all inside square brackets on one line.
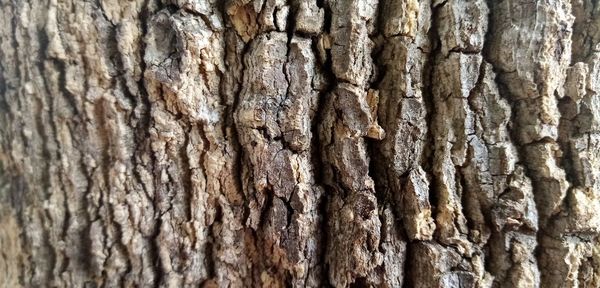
[(300, 143)]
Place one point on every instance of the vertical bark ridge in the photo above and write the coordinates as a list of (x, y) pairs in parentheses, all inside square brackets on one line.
[(537, 81), (398, 158), (349, 116), (274, 121)]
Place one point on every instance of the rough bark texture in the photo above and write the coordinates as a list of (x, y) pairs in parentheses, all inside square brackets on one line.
[(300, 143)]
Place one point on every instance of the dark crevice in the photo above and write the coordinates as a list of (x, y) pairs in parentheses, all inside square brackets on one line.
[(84, 235), (466, 196), (172, 8), (428, 99), (290, 211), (15, 43), (143, 143), (185, 169), (239, 161), (42, 118), (360, 282), (155, 256), (4, 107), (318, 154), (320, 3), (324, 4), (210, 249), (266, 209), (377, 169), (317, 158), (408, 264)]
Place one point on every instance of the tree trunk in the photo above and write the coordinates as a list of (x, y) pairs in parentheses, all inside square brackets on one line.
[(300, 143)]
